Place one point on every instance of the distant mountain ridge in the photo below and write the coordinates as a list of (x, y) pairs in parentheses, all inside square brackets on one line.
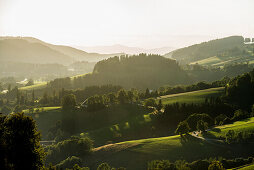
[(118, 48), (32, 50)]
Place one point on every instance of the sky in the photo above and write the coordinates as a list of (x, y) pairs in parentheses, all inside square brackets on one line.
[(142, 23)]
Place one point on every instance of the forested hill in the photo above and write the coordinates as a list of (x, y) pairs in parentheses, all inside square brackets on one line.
[(207, 49), (140, 71), (137, 71)]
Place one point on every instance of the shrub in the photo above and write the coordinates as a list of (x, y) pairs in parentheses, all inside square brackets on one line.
[(199, 165), (182, 128), (219, 119), (150, 102), (104, 166), (69, 162), (194, 118), (161, 165), (239, 115), (74, 146), (230, 136), (215, 165)]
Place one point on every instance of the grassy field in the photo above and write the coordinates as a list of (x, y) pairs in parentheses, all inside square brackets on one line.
[(43, 109), (34, 87), (239, 126), (208, 61), (80, 75), (192, 97), (44, 84), (216, 61), (137, 153), (250, 167)]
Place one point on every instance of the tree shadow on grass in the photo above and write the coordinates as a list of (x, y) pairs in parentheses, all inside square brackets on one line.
[(188, 139), (218, 130)]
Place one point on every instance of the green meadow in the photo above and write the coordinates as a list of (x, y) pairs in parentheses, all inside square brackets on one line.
[(44, 84), (239, 126), (192, 97)]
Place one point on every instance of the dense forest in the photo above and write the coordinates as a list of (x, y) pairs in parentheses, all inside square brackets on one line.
[(141, 71)]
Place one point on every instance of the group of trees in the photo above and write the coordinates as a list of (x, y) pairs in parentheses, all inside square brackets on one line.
[(98, 102), (74, 146), (240, 90), (19, 143), (54, 98), (211, 164), (195, 121), (212, 73), (137, 71), (233, 137), (179, 165), (75, 163), (176, 112)]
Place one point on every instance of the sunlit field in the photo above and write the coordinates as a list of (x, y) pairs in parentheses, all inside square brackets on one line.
[(191, 97)]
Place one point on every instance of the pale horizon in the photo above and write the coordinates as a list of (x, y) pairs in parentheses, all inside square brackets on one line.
[(144, 24)]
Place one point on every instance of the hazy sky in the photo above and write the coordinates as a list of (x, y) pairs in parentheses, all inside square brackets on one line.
[(143, 23)]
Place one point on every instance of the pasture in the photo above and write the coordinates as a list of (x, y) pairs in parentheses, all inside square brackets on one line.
[(239, 126), (192, 97)]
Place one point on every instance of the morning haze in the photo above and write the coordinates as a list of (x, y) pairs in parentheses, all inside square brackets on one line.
[(136, 85)]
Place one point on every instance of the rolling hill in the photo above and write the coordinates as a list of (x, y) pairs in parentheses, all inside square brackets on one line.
[(128, 125), (215, 52), (20, 50), (139, 152), (32, 50)]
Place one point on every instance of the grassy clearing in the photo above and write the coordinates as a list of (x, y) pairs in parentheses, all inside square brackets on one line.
[(34, 87), (250, 167), (208, 61), (216, 61), (44, 84), (80, 75), (239, 126), (43, 109), (192, 97)]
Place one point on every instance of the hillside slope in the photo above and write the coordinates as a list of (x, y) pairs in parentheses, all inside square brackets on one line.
[(207, 49), (75, 53), (136, 154), (32, 50), (19, 50)]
